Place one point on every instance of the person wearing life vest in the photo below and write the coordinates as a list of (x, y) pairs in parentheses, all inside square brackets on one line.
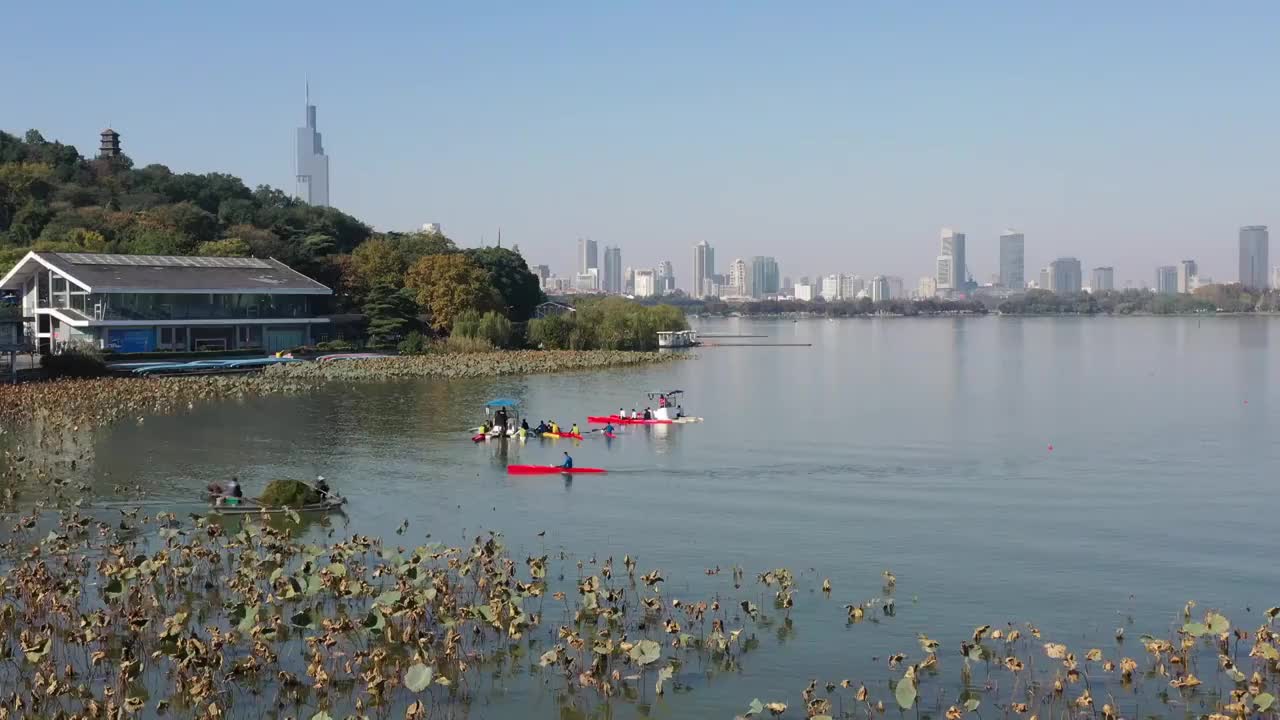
[(574, 430), (555, 428)]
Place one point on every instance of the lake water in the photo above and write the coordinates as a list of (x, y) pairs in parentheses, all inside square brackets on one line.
[(1072, 472)]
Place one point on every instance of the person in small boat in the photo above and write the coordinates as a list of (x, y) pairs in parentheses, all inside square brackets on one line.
[(648, 415), (500, 419), (608, 429), (524, 428), (555, 428), (679, 411), (574, 430), (622, 413), (662, 401), (484, 427), (567, 464), (322, 487), (634, 415), (542, 428)]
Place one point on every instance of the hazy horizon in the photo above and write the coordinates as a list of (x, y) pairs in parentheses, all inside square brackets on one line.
[(835, 138)]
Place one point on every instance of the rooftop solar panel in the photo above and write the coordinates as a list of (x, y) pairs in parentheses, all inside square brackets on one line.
[(164, 261)]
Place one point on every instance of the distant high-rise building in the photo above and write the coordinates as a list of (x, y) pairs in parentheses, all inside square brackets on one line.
[(313, 164), (1065, 276), (830, 289), (1167, 280), (764, 276), (1187, 273), (667, 279), (1275, 277), (543, 272), (588, 281), (704, 269), (1012, 263), (1046, 280), (803, 291), (629, 281), (611, 279), (646, 283), (1255, 247), (896, 287), (432, 228), (850, 286), (738, 277), (951, 262), (927, 288), (587, 255), (1104, 278), (879, 288)]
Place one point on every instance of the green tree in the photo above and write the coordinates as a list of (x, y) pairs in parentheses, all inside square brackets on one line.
[(446, 285), (518, 287), (391, 312), (226, 247)]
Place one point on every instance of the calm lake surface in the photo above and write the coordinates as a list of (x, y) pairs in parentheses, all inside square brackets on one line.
[(917, 445)]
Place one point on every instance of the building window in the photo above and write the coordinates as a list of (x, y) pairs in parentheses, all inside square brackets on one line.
[(173, 338), (250, 336)]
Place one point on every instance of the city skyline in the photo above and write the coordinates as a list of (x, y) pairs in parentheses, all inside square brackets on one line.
[(761, 276), (1056, 144)]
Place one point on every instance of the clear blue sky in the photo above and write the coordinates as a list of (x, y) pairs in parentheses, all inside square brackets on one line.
[(836, 136)]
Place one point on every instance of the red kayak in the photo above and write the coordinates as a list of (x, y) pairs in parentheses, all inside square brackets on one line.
[(605, 420), (549, 470)]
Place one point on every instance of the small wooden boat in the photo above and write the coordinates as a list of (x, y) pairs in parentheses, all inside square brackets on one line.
[(252, 507)]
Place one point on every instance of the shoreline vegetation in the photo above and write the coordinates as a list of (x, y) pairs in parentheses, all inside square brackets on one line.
[(200, 618), (1208, 300), (391, 290), (91, 402)]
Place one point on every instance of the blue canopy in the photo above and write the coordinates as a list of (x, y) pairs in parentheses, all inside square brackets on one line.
[(502, 402)]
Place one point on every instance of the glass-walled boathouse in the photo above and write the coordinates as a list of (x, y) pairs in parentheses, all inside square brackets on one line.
[(147, 303)]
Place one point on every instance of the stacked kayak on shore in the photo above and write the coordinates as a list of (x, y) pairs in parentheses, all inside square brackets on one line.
[(550, 470)]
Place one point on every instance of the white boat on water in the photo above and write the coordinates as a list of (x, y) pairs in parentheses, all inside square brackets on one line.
[(672, 339)]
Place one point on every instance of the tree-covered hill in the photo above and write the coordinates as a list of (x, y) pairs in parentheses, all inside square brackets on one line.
[(53, 199)]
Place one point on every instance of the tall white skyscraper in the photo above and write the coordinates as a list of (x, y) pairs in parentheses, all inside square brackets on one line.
[(1012, 262), (1187, 272), (587, 255), (951, 264), (1167, 280), (611, 279), (704, 269), (646, 283), (738, 277), (312, 164), (1255, 248)]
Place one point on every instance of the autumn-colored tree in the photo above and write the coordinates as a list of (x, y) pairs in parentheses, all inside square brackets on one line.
[(227, 247), (377, 260), (447, 285)]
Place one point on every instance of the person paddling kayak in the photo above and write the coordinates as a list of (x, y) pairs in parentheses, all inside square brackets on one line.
[(568, 462), (555, 428), (574, 430), (608, 429)]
